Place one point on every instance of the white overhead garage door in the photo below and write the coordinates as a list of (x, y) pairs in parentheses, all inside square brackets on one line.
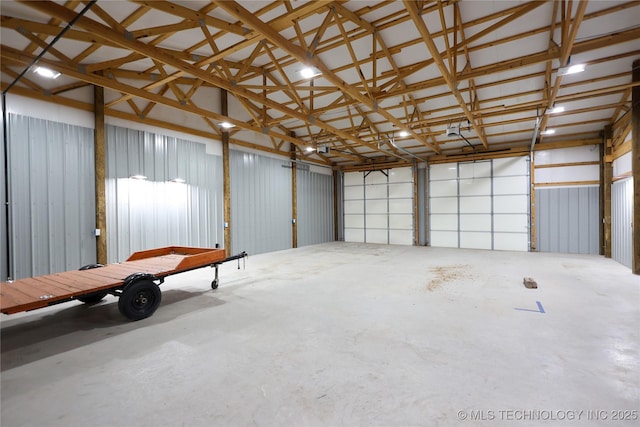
[(378, 206), (480, 205)]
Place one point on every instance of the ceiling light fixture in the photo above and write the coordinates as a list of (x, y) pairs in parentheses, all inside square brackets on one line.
[(571, 69), (403, 133), (227, 125), (555, 110), (309, 149), (46, 72), (309, 72), (548, 132)]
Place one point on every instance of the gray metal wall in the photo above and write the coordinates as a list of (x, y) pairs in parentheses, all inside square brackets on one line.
[(567, 220), (155, 212), (52, 196), (340, 208), (422, 206), (315, 208), (3, 215), (260, 203), (621, 221)]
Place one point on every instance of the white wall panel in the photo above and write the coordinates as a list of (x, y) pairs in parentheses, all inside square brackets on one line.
[(480, 204), (444, 222), (377, 202), (400, 237), (492, 198), (475, 187), (474, 222), (567, 155), (398, 191), (510, 241), (444, 239), (443, 188), (443, 205), (354, 235), (445, 171), (375, 192), (475, 170), (401, 221), (400, 175), (511, 185), (568, 174), (401, 206), (622, 165), (475, 240)]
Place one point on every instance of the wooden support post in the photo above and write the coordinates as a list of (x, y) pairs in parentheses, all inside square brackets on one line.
[(532, 190), (606, 189), (100, 174), (226, 180), (416, 210), (336, 232), (294, 194), (635, 166)]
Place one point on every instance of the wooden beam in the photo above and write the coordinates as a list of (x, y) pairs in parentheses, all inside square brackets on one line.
[(635, 165), (606, 190), (294, 194), (226, 176), (100, 165)]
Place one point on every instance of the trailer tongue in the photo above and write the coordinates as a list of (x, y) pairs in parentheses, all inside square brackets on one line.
[(135, 281)]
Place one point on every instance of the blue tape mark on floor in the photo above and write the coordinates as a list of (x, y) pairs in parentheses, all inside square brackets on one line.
[(539, 310)]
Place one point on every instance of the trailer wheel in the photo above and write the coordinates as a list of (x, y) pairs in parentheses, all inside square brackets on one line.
[(140, 299), (214, 284), (97, 296), (93, 298)]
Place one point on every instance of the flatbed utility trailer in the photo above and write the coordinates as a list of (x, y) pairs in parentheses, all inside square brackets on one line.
[(135, 281)]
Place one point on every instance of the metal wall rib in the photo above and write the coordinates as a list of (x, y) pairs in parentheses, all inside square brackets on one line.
[(260, 203), (156, 212), (315, 208), (52, 196)]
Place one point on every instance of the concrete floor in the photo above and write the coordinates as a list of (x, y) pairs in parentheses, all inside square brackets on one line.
[(342, 334)]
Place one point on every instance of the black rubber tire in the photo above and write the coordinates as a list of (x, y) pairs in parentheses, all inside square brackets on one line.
[(93, 298), (214, 284), (140, 299)]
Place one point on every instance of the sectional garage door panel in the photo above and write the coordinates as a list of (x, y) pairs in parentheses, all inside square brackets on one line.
[(480, 205), (378, 206)]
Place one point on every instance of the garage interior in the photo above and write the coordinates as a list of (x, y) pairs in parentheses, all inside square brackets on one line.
[(395, 171)]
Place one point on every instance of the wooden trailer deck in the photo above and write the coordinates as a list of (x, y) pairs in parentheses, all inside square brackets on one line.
[(41, 291)]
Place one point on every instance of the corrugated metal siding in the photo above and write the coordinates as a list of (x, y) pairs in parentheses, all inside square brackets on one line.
[(567, 220), (4, 237), (260, 203), (52, 196), (621, 221), (339, 186), (315, 208), (155, 212)]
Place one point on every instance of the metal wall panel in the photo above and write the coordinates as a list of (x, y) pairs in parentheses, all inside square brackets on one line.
[(622, 221), (260, 203), (315, 208), (4, 236), (567, 219), (52, 196), (422, 206), (158, 211)]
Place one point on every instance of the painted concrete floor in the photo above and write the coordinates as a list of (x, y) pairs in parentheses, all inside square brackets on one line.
[(342, 334)]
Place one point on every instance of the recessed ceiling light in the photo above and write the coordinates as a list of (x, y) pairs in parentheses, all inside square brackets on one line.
[(46, 72), (555, 110), (309, 149), (309, 72), (570, 69), (548, 132), (227, 125), (141, 177), (403, 133)]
